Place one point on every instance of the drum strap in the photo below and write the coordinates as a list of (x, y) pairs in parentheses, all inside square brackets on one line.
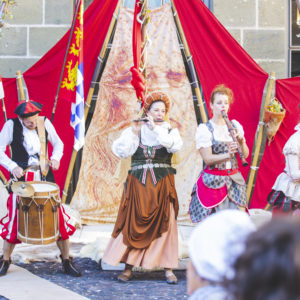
[(43, 154)]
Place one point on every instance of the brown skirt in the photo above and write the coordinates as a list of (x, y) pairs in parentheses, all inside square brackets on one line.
[(162, 252), (144, 212), (145, 233)]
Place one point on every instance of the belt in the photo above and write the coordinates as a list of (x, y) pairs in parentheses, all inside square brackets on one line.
[(219, 172), (150, 166)]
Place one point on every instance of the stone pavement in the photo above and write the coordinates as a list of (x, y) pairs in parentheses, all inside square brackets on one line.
[(20, 284), (42, 260), (99, 284)]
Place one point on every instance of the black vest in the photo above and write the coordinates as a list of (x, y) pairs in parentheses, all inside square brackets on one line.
[(19, 153), (155, 160)]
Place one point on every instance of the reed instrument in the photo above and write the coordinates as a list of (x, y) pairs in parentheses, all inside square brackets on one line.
[(231, 130)]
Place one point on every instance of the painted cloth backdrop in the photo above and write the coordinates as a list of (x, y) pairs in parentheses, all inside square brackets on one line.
[(42, 78), (220, 59), (272, 164), (99, 190)]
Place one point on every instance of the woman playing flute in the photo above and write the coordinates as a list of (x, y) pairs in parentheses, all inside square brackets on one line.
[(220, 184), (145, 232)]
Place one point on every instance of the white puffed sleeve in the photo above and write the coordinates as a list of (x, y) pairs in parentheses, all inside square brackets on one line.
[(56, 142), (126, 144), (203, 137), (291, 151), (170, 139), (292, 146), (239, 127), (293, 166), (6, 137)]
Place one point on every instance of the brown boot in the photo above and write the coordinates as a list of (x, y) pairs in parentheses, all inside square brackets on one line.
[(4, 265), (69, 267)]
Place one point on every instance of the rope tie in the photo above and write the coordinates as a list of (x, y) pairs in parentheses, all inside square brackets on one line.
[(54, 216), (201, 103), (190, 58)]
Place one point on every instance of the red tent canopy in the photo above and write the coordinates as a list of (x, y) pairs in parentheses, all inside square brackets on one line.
[(272, 164), (218, 59)]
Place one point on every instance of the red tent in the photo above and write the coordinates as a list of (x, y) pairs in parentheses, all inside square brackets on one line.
[(217, 56)]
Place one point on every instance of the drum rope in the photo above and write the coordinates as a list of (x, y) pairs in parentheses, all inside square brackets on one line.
[(54, 216), (25, 216), (57, 199)]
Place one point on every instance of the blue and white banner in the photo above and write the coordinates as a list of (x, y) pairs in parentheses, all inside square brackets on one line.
[(77, 111)]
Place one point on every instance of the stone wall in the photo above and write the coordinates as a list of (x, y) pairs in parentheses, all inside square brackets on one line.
[(35, 27), (261, 28)]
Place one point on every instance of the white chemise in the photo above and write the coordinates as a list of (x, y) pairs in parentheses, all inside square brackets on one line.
[(289, 181), (204, 137), (128, 142)]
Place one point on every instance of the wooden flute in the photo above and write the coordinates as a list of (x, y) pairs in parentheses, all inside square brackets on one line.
[(146, 120), (231, 130)]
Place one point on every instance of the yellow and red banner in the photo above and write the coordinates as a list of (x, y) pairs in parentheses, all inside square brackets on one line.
[(69, 79)]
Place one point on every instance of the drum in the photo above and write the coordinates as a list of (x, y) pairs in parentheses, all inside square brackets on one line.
[(38, 215)]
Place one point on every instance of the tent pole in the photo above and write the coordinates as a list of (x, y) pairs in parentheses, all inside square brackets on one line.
[(144, 43), (258, 146), (21, 98), (99, 66), (195, 83), (65, 59), (20, 85)]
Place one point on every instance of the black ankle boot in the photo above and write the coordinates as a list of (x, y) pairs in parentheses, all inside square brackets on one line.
[(4, 265), (69, 267)]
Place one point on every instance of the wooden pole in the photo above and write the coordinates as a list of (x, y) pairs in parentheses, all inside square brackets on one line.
[(4, 109), (258, 147), (20, 86), (143, 40), (195, 83), (2, 177), (21, 98), (65, 59), (5, 119), (99, 66)]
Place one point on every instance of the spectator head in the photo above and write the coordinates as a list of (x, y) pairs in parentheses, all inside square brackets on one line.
[(214, 245)]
